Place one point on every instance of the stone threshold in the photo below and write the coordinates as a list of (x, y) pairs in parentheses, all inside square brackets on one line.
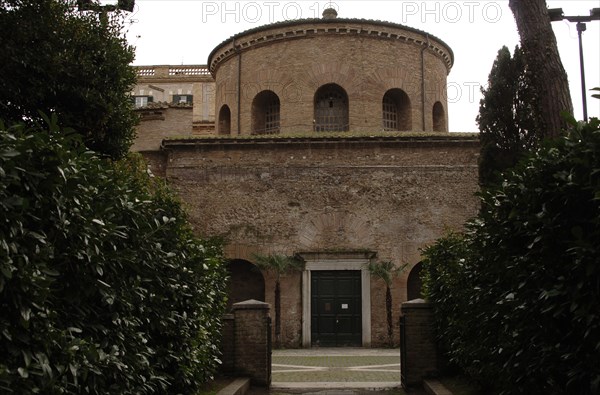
[(435, 387), (328, 385)]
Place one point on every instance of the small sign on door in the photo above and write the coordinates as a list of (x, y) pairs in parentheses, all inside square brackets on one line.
[(344, 306)]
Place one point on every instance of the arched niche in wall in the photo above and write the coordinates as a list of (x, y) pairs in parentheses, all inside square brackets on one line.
[(245, 282), (439, 117), (414, 284), (224, 120)]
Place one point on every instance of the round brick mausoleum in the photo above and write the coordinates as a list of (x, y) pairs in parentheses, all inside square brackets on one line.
[(370, 191), (330, 75)]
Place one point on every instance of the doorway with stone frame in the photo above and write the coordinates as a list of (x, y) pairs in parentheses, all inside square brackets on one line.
[(339, 284)]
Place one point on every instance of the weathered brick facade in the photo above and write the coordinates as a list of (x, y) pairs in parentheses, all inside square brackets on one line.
[(388, 195), (338, 200)]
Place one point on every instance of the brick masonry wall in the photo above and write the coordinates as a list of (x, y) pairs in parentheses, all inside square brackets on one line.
[(285, 196), (291, 307), (365, 59), (379, 313), (168, 122)]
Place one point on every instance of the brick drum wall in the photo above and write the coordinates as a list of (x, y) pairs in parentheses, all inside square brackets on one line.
[(392, 196), (365, 58)]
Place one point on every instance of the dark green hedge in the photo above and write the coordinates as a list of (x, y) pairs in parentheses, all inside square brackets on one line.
[(517, 296), (103, 287)]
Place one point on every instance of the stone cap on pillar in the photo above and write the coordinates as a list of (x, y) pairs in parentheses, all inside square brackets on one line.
[(251, 305), (416, 304)]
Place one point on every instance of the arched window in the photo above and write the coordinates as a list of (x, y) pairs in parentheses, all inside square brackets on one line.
[(331, 109), (396, 113), (439, 117), (245, 282), (414, 284), (265, 113), (224, 120)]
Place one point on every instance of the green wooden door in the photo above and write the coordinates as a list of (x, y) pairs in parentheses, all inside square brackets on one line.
[(336, 308)]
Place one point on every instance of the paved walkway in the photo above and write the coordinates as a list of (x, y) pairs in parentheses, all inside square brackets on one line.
[(336, 368)]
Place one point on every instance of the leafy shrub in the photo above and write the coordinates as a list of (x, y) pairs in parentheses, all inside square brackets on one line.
[(518, 293), (444, 283), (103, 287)]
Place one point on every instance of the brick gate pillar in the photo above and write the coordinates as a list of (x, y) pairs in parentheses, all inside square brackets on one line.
[(253, 341), (420, 350)]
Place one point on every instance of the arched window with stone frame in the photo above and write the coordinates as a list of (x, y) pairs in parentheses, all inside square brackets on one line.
[(396, 111), (331, 109), (266, 113), (224, 120)]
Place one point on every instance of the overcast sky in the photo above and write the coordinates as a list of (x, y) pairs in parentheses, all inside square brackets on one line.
[(179, 32)]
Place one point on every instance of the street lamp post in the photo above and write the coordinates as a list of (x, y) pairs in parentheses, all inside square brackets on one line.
[(580, 29), (556, 14)]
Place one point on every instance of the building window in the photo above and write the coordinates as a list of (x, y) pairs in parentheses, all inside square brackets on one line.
[(265, 113), (141, 101), (224, 120), (331, 109), (396, 114), (183, 99), (439, 117)]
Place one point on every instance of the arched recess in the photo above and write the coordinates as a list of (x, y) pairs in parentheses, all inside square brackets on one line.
[(396, 112), (245, 282), (224, 120), (265, 113), (331, 109), (414, 284), (439, 117)]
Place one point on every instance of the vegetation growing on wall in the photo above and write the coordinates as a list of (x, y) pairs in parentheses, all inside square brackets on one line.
[(103, 287), (518, 293), (278, 265), (387, 271)]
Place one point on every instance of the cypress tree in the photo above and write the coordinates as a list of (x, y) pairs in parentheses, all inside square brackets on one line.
[(508, 118)]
